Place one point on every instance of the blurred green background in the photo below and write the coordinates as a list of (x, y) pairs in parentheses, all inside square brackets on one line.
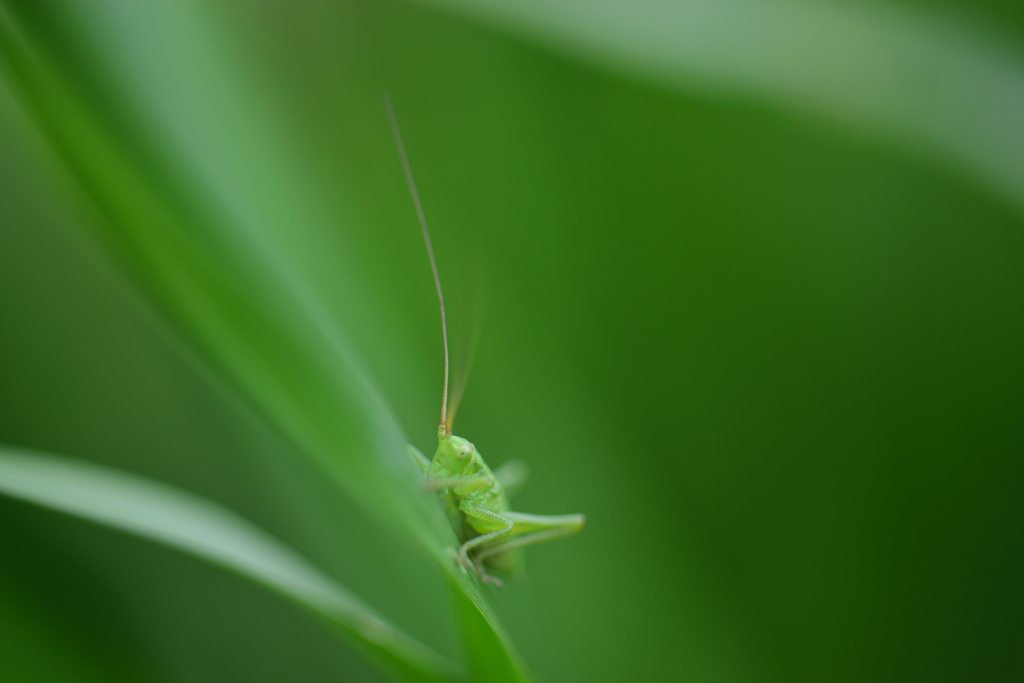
[(764, 329)]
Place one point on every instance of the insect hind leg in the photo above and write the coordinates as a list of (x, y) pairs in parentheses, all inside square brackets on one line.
[(505, 526), (531, 529)]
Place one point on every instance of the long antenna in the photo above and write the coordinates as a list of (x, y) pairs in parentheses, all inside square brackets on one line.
[(397, 135)]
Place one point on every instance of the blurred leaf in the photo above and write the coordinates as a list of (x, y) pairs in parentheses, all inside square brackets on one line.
[(232, 298), (953, 90), (201, 528), (210, 271), (488, 660)]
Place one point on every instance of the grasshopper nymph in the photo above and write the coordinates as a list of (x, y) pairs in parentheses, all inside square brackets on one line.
[(475, 498)]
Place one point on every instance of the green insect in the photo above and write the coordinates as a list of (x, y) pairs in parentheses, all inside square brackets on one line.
[(475, 498)]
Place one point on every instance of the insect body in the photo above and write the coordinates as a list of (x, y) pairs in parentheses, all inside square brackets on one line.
[(476, 499)]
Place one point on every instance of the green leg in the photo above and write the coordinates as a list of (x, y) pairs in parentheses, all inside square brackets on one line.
[(512, 475), (418, 458), (504, 525), (459, 485), (530, 529)]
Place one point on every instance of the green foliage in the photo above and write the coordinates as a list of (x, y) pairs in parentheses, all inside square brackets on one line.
[(201, 528), (753, 295), (233, 299)]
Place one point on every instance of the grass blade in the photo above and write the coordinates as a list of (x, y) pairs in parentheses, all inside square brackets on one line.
[(201, 528), (210, 271), (488, 658)]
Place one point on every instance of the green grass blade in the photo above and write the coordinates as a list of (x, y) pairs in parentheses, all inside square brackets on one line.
[(487, 657), (227, 293), (201, 528), (854, 63), (211, 273)]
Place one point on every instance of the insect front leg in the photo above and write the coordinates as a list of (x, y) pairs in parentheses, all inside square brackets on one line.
[(460, 485), (530, 529), (418, 458), (504, 526), (512, 475)]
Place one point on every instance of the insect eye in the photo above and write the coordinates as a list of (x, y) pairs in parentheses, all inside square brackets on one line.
[(463, 452)]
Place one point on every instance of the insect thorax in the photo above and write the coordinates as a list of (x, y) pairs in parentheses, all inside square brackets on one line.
[(457, 457)]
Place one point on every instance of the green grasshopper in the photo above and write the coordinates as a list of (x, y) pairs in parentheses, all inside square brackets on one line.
[(475, 498)]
